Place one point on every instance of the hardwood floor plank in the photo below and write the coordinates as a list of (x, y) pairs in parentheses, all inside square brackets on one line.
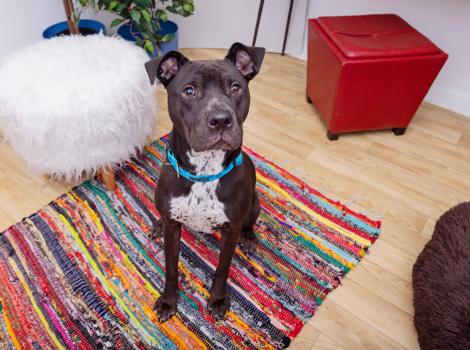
[(385, 284), (428, 228), (350, 331), (421, 167), (6, 220), (378, 178), (306, 338), (392, 259), (386, 318), (326, 343), (17, 202)]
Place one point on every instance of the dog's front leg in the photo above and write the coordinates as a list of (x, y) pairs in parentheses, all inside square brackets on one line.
[(166, 303), (219, 302)]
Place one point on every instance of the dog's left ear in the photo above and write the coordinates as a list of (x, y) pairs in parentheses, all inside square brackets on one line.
[(247, 59), (164, 68)]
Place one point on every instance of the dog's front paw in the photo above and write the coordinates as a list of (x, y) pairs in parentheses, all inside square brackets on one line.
[(218, 307), (248, 240), (157, 231), (165, 307)]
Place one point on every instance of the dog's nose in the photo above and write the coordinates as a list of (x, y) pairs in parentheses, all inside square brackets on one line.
[(220, 121)]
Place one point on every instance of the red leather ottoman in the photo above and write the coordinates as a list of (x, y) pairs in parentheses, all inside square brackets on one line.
[(368, 72)]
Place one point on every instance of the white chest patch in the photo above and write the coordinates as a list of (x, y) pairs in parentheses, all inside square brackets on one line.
[(201, 210)]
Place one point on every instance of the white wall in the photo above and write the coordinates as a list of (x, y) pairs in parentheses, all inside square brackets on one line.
[(22, 21), (219, 23), (446, 23)]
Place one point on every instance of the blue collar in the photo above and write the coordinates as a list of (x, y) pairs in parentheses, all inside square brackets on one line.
[(202, 178)]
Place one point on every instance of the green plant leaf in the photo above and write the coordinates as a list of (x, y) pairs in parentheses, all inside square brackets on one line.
[(162, 15), (135, 15), (112, 5), (149, 46), (172, 9), (188, 8), (146, 15), (145, 34), (121, 7), (143, 3), (116, 22), (167, 38)]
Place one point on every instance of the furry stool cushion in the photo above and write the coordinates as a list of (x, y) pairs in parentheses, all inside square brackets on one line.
[(441, 283), (76, 104)]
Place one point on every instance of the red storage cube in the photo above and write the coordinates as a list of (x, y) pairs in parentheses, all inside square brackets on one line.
[(368, 72)]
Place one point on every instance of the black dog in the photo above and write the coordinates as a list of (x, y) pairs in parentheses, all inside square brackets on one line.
[(208, 182)]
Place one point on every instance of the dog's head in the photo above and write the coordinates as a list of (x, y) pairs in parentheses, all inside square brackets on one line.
[(208, 101)]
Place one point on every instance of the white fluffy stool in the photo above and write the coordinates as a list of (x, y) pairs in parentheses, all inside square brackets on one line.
[(77, 104)]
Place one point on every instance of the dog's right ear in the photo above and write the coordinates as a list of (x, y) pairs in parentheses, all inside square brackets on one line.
[(164, 68)]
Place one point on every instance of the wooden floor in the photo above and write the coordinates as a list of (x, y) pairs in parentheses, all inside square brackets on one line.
[(408, 181)]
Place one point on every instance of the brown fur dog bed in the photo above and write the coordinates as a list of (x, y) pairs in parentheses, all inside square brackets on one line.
[(441, 283)]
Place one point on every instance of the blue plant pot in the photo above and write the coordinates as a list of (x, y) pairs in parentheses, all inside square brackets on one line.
[(85, 26), (128, 32)]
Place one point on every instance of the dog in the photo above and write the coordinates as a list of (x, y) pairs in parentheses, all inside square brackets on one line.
[(207, 182)]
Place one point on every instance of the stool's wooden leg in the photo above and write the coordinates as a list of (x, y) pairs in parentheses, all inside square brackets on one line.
[(108, 177)]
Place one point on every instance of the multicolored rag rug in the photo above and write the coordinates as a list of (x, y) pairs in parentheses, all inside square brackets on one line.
[(82, 273)]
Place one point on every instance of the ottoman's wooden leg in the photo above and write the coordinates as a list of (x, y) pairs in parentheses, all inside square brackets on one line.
[(399, 131), (108, 177), (331, 136)]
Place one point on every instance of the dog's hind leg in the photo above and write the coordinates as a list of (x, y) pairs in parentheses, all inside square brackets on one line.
[(248, 237)]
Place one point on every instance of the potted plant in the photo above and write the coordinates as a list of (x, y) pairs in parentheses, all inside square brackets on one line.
[(146, 21), (74, 25)]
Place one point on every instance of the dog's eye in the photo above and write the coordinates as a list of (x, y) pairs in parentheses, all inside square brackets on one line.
[(189, 91), (235, 88)]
